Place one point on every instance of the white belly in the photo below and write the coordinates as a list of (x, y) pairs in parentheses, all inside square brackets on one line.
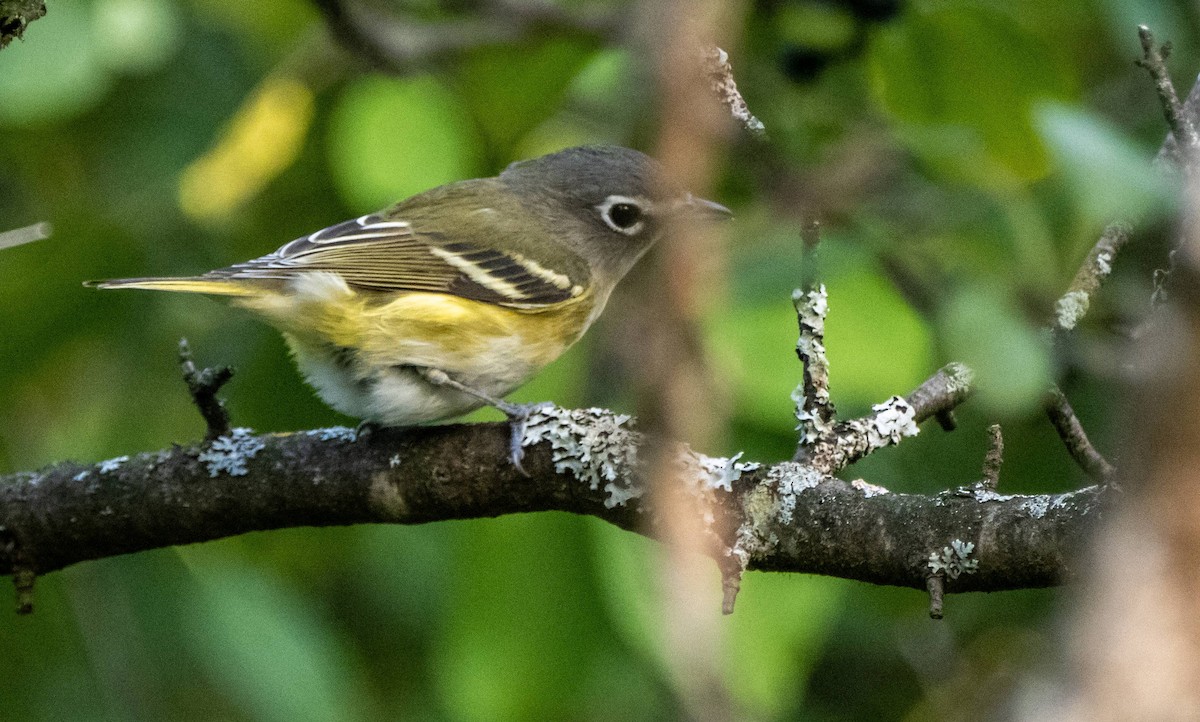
[(399, 395)]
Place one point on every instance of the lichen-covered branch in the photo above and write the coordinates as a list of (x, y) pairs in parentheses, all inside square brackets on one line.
[(15, 16), (942, 392), (782, 517), (1073, 305), (720, 78), (815, 412)]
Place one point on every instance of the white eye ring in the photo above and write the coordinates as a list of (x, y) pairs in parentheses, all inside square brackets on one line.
[(622, 204)]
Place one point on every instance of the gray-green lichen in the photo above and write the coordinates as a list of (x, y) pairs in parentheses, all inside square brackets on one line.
[(811, 308), (108, 466), (768, 506), (790, 479), (894, 420), (599, 448), (959, 377), (1070, 308), (229, 454), (335, 433), (593, 444), (954, 560)]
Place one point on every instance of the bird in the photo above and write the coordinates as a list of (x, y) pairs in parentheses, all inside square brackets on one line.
[(451, 299)]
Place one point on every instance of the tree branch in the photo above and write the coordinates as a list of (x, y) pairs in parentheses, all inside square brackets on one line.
[(784, 517)]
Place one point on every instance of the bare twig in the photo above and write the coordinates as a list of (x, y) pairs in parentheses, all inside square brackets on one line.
[(28, 234), (936, 586), (994, 458), (1070, 430), (810, 238), (720, 77), (203, 385), (1069, 311), (1154, 60)]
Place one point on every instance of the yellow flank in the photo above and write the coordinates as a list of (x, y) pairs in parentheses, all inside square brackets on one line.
[(454, 334)]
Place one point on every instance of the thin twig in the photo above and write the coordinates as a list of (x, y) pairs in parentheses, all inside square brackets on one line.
[(203, 385), (815, 412), (1071, 307), (1154, 60), (814, 409), (937, 589), (994, 458), (720, 78), (942, 392), (1069, 311), (28, 234), (810, 238), (1070, 430)]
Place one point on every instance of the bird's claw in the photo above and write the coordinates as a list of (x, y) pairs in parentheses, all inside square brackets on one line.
[(518, 421)]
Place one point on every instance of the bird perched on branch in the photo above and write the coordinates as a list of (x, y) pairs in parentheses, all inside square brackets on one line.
[(449, 300)]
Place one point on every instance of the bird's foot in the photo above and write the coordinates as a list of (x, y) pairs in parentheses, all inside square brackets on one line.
[(518, 414), (518, 421), (366, 429)]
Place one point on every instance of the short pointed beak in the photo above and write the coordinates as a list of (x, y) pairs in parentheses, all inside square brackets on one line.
[(705, 209)]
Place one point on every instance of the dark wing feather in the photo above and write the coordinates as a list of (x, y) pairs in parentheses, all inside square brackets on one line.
[(376, 254)]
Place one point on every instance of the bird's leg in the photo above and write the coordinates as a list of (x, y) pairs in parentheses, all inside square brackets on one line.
[(518, 414), (366, 428)]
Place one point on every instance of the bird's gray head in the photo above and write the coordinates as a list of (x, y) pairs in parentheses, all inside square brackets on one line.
[(619, 194)]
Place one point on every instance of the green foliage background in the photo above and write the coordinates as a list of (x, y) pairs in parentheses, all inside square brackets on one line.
[(981, 145)]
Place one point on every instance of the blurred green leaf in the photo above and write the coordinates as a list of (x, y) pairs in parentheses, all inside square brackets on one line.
[(1110, 176), (390, 138), (269, 650), (1010, 357), (772, 639), (524, 623), (136, 36), (541, 73), (877, 346), (974, 67), (816, 25), (275, 25)]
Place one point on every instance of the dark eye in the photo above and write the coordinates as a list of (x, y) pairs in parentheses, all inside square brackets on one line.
[(624, 215)]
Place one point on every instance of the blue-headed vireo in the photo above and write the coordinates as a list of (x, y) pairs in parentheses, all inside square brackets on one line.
[(449, 300)]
